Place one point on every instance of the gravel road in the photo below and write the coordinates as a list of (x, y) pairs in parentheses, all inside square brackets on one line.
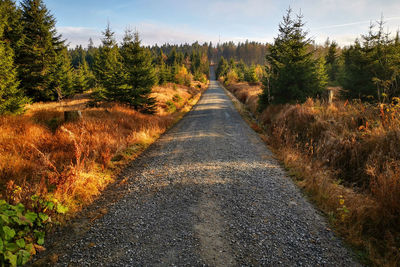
[(209, 193)]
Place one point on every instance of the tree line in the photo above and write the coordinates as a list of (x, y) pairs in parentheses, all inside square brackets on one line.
[(296, 68), (36, 64)]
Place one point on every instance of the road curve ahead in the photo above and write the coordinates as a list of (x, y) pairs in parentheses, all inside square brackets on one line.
[(209, 193)]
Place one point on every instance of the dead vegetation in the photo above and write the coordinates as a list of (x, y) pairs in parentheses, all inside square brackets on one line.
[(346, 157), (72, 162)]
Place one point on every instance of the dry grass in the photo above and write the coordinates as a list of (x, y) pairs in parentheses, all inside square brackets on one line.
[(73, 162), (347, 157)]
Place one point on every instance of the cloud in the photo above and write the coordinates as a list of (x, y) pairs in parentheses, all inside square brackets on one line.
[(79, 35), (152, 33)]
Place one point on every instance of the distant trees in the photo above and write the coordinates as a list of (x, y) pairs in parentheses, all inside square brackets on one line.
[(294, 74), (238, 71)]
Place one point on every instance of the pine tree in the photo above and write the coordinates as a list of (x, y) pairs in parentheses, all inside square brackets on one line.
[(37, 56), (371, 67), (294, 73), (12, 99), (108, 70), (12, 27), (61, 77), (331, 60), (162, 69), (140, 74), (83, 78)]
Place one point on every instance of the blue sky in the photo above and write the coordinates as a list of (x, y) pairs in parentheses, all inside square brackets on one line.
[(179, 21)]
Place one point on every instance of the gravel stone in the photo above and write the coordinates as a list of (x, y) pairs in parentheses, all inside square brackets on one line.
[(209, 193)]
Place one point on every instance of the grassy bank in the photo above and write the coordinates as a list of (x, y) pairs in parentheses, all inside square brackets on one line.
[(72, 162), (346, 157)]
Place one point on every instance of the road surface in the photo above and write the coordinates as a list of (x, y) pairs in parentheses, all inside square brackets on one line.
[(209, 193)]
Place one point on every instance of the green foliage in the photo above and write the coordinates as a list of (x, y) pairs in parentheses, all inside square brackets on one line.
[(37, 57), (371, 70), (251, 75), (22, 230), (170, 106), (12, 99), (140, 76), (83, 78), (222, 68), (108, 70), (332, 62), (61, 77), (294, 74)]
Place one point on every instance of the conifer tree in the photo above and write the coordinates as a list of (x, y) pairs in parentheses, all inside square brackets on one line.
[(222, 68), (371, 67), (162, 69), (251, 75), (61, 77), (37, 56), (331, 60), (12, 26), (12, 99), (108, 70), (140, 74), (294, 73), (83, 78)]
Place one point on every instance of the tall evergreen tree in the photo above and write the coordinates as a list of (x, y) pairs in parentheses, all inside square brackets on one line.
[(37, 56), (12, 99), (140, 74), (295, 75), (332, 64), (108, 69), (61, 77), (371, 67), (12, 27)]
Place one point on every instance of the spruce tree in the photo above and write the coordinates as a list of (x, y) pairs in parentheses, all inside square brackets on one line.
[(332, 64), (162, 69), (37, 56), (61, 77), (12, 99), (108, 70), (83, 78), (140, 74), (12, 26), (294, 73)]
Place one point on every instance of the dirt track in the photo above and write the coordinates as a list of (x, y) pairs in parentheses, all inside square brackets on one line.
[(208, 192)]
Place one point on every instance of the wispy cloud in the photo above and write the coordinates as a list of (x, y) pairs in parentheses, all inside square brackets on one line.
[(354, 23), (79, 35)]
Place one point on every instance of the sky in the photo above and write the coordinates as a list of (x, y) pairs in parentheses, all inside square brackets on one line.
[(180, 21)]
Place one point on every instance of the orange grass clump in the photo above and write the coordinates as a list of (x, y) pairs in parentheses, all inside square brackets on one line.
[(72, 162), (347, 157)]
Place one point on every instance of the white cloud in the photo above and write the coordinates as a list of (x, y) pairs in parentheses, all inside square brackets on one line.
[(79, 35)]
